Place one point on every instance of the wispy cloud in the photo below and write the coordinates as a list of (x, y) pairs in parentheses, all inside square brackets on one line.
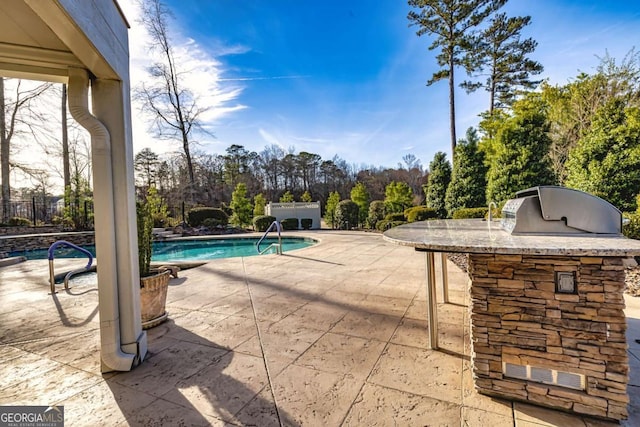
[(201, 73), (313, 140), (249, 79), (225, 50), (269, 138)]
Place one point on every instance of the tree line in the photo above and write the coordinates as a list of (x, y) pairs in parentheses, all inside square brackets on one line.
[(273, 173)]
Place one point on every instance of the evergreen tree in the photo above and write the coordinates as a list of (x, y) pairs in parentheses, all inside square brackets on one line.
[(287, 197), (241, 206), (376, 213), (606, 160), (330, 209), (502, 56), (306, 197), (360, 197), (397, 197), (450, 22), (522, 158), (346, 216), (259, 202), (468, 185), (439, 179)]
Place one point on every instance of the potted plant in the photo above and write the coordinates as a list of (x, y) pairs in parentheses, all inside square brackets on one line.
[(153, 283)]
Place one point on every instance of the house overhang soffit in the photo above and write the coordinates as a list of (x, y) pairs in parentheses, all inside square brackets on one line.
[(40, 40)]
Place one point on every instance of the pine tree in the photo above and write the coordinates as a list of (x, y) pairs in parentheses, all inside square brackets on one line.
[(451, 23), (501, 54), (468, 185), (439, 179)]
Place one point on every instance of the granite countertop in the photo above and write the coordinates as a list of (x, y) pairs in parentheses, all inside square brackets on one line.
[(475, 236)]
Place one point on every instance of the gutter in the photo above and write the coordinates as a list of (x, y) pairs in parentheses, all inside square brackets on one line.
[(110, 343)]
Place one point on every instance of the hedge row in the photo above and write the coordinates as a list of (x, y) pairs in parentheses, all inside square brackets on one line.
[(420, 213), (209, 217), (467, 213), (262, 222), (632, 228)]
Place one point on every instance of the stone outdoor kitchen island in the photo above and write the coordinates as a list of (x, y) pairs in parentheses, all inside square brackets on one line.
[(547, 320)]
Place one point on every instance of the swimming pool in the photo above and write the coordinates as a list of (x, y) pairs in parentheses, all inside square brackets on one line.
[(190, 249)]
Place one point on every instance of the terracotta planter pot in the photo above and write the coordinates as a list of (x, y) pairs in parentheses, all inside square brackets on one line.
[(153, 299)]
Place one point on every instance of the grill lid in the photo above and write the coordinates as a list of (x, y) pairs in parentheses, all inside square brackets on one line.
[(559, 210)]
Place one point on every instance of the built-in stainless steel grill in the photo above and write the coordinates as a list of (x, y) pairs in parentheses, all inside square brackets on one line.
[(559, 210)]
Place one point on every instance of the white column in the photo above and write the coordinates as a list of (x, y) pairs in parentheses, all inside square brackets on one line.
[(112, 106)]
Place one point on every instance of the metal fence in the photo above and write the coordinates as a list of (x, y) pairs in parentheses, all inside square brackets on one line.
[(79, 215), (44, 212), (179, 212)]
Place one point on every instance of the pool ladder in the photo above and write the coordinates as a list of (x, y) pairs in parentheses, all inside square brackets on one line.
[(52, 249), (277, 246)]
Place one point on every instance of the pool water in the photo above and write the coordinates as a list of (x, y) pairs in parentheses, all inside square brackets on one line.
[(189, 250)]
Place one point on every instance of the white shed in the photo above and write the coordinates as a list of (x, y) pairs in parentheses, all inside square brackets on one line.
[(299, 210)]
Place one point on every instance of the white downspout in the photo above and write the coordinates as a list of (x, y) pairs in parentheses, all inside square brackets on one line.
[(104, 210)]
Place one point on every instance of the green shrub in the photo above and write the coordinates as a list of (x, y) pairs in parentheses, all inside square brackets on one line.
[(376, 213), (306, 223), (420, 213), (287, 197), (227, 209), (262, 222), (395, 217), (632, 228), (18, 221), (289, 224), (386, 224), (467, 213), (347, 215), (196, 216), (212, 223), (61, 220)]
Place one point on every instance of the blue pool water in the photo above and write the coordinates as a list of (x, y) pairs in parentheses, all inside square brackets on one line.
[(189, 250)]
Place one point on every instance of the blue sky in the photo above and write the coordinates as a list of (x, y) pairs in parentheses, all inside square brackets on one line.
[(348, 77)]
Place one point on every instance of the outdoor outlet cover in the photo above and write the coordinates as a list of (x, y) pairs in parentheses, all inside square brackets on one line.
[(566, 282)]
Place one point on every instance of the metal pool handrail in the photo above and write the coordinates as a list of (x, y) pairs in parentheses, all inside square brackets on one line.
[(278, 245), (50, 252)]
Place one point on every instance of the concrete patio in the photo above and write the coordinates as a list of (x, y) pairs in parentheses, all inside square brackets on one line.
[(325, 336)]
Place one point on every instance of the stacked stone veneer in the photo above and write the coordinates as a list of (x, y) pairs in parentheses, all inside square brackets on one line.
[(518, 318), (42, 241)]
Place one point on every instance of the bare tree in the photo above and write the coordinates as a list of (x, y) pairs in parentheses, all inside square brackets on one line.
[(174, 108), (67, 146), (18, 114)]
